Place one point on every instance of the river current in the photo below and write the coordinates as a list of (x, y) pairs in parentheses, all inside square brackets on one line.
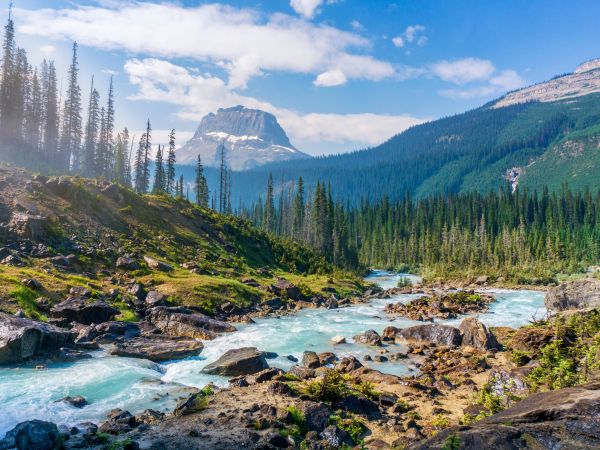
[(134, 384)]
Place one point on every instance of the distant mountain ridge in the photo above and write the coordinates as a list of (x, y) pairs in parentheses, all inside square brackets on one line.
[(251, 137), (545, 135)]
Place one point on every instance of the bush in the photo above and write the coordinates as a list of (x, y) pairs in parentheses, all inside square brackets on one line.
[(520, 358), (328, 389)]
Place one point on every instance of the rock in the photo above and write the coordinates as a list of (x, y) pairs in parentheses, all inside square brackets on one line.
[(483, 279), (284, 288), (389, 333), (531, 339), (77, 402), (336, 438), (477, 335), (182, 322), (316, 416), (32, 435), (81, 310), (369, 337), (386, 399), (337, 340), (157, 348), (137, 290), (266, 375), (270, 355), (274, 303), (155, 298), (310, 360), (190, 405), (327, 358), (60, 260), (580, 294), (279, 388), (118, 422), (380, 358), (291, 358), (358, 404), (113, 192), (127, 263), (433, 333), (13, 260), (155, 264), (304, 373), (241, 361), (149, 416), (80, 291), (565, 418), (23, 338), (348, 364), (31, 283), (28, 226)]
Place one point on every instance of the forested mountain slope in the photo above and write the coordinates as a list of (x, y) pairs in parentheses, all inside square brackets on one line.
[(534, 144)]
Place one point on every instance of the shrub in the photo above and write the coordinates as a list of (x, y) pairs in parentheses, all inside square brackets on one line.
[(328, 389), (520, 358)]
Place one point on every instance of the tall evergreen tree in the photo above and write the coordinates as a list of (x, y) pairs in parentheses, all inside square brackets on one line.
[(269, 211), (159, 173), (222, 178), (8, 100), (201, 188), (142, 161), (51, 117), (91, 133), (34, 114), (171, 160), (298, 210), (70, 141)]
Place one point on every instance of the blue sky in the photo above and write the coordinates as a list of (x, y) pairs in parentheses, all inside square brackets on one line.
[(339, 74)]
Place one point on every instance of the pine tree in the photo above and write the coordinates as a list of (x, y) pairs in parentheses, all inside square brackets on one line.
[(120, 160), (170, 181), (91, 133), (222, 179), (8, 102), (34, 115), (201, 188), (70, 141), (128, 155), (298, 210), (159, 173), (269, 211), (142, 161), (109, 128), (51, 117)]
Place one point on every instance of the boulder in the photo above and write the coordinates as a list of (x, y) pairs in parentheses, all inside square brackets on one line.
[(157, 348), (327, 358), (177, 321), (337, 340), (240, 361), (81, 310), (432, 333), (580, 294), (316, 416), (310, 360), (389, 333), (23, 338), (357, 404), (157, 264), (336, 438), (566, 418), (127, 263), (32, 435), (77, 401), (477, 335), (118, 421), (369, 337), (284, 288), (28, 226), (348, 364), (155, 298)]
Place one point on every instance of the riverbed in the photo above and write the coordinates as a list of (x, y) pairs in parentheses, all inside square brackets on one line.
[(109, 382)]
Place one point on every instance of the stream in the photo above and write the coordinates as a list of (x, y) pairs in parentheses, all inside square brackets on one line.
[(109, 382)]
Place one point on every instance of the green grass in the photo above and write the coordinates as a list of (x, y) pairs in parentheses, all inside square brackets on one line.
[(25, 298)]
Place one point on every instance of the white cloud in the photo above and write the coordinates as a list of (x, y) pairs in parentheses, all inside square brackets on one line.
[(244, 41), (507, 80), (398, 41), (306, 8), (463, 70), (47, 50), (330, 78), (413, 33), (357, 26), (199, 94)]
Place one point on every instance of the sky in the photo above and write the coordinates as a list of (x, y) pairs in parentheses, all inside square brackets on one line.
[(340, 75)]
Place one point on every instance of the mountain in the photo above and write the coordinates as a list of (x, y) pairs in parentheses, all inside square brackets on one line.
[(540, 136), (251, 138)]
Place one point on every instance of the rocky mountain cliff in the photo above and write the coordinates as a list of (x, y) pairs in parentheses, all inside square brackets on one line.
[(584, 80), (251, 138)]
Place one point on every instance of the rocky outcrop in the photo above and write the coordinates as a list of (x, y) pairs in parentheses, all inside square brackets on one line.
[(21, 338), (444, 306), (156, 264), (82, 310), (286, 289), (369, 337), (32, 435), (562, 419), (477, 335), (177, 321), (580, 294), (127, 263), (29, 226), (432, 333), (157, 348), (240, 361)]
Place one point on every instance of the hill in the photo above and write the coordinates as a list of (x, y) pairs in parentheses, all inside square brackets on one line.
[(60, 233), (526, 138)]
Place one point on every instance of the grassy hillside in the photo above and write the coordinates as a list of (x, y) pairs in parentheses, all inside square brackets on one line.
[(99, 222), (467, 152)]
